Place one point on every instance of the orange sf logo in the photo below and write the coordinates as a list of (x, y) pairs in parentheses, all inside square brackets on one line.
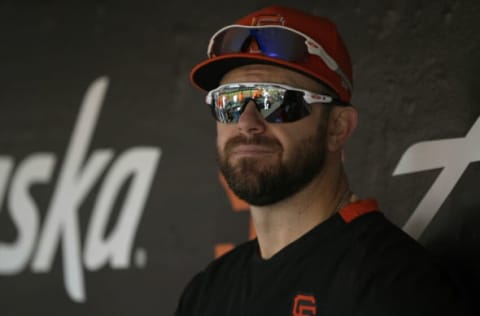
[(304, 305)]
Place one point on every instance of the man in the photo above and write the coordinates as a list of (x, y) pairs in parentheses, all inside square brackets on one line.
[(280, 83)]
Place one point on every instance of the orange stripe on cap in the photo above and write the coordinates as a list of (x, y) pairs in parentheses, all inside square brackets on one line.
[(357, 209)]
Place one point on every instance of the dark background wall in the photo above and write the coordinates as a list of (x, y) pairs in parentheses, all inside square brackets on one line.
[(416, 82)]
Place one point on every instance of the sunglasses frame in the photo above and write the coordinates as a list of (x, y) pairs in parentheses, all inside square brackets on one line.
[(308, 96), (313, 47)]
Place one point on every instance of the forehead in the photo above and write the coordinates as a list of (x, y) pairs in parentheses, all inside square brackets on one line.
[(274, 74)]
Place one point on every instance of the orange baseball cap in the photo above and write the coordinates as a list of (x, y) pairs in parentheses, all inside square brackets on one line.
[(281, 36)]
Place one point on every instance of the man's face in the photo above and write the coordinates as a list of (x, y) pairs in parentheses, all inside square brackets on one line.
[(265, 163)]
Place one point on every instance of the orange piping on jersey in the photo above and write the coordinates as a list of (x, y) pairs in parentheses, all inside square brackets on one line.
[(357, 209)]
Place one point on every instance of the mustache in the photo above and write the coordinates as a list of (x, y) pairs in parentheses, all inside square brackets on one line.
[(260, 140)]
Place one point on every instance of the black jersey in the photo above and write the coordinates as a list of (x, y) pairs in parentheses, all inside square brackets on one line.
[(354, 263)]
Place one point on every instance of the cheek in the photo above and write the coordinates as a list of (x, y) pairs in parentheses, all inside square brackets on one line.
[(296, 137), (224, 132)]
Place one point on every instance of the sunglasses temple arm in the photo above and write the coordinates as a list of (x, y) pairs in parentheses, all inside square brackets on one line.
[(317, 50)]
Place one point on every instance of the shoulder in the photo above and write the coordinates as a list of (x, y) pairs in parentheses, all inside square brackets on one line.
[(215, 277), (381, 246), (369, 236), (395, 270), (376, 233), (232, 260)]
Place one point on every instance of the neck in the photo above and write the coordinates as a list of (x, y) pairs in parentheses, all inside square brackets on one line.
[(280, 224)]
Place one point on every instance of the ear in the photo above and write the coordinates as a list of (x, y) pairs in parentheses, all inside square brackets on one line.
[(341, 124)]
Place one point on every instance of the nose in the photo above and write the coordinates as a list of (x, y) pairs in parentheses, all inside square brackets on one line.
[(251, 121)]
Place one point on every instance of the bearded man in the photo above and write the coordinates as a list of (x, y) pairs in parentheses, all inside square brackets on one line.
[(279, 85)]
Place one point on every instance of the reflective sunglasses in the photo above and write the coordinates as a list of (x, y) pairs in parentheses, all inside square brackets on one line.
[(277, 103), (274, 41)]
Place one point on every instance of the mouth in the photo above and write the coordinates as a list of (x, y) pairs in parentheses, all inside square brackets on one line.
[(251, 151)]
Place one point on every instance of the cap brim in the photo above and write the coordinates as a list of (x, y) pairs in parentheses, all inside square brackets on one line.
[(208, 74)]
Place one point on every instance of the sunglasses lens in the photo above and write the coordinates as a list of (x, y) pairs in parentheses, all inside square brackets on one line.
[(275, 104), (274, 42), (292, 109)]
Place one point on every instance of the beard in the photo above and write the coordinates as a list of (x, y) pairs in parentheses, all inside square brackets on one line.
[(261, 182)]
